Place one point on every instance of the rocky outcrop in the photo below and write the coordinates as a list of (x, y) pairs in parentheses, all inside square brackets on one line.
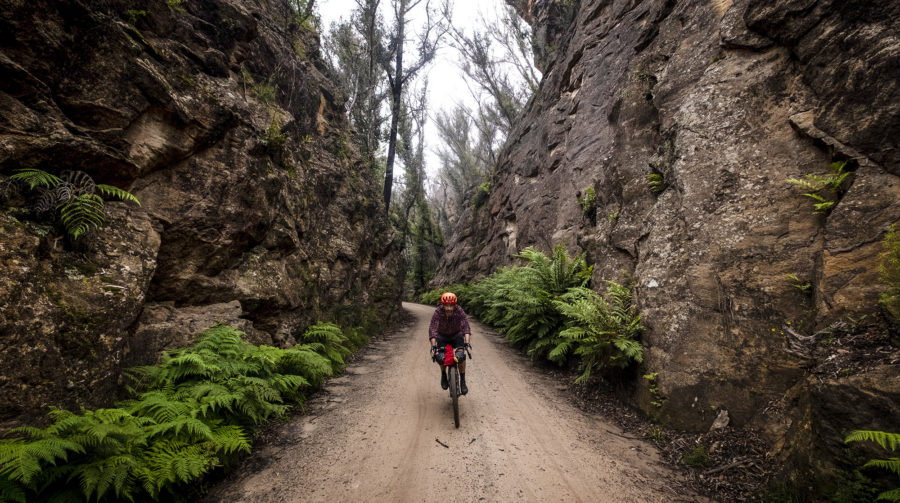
[(220, 117), (724, 100)]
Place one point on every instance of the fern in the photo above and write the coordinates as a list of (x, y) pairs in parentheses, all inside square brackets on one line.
[(656, 182), (189, 415), (332, 340), (124, 195), (602, 332), (74, 197), (831, 185), (888, 441), (36, 178)]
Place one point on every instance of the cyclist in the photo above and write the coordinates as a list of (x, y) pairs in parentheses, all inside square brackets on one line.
[(449, 325)]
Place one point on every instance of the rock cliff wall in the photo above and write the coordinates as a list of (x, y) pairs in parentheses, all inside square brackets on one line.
[(220, 117), (725, 100)]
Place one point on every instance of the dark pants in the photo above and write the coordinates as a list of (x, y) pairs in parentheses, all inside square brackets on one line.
[(457, 341)]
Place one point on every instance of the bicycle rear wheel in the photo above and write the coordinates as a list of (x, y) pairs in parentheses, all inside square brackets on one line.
[(454, 393)]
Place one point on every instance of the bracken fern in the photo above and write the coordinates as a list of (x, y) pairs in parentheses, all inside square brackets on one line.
[(888, 441)]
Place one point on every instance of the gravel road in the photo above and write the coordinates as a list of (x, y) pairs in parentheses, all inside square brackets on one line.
[(384, 432)]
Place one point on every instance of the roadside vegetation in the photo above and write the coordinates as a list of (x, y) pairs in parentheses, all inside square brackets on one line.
[(192, 413), (546, 308)]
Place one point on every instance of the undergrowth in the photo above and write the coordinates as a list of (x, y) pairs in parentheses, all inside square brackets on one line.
[(545, 308), (193, 412)]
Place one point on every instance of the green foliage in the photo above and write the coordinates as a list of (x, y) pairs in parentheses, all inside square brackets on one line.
[(481, 194), (36, 178), (175, 5), (656, 182), (133, 15), (273, 139), (588, 201), (653, 387), (799, 284), (888, 441), (602, 332), (698, 458), (519, 301), (192, 413), (74, 196), (81, 214), (829, 185), (433, 297), (890, 274)]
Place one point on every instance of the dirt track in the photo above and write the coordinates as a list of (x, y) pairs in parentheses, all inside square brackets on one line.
[(372, 435)]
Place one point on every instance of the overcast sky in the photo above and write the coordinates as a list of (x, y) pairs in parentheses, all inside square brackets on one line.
[(446, 85)]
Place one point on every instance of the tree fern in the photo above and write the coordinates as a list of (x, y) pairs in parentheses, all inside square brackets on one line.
[(888, 441)]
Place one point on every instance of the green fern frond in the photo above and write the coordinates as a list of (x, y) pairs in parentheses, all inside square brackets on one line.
[(11, 491), (889, 441), (36, 178), (111, 191), (823, 208), (81, 214), (890, 464)]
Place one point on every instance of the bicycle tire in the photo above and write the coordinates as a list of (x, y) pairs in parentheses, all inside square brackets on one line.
[(454, 393)]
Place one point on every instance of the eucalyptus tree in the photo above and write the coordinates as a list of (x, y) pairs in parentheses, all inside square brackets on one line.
[(354, 47), (400, 72)]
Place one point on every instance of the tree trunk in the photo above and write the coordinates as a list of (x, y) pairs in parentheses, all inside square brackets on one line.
[(396, 96)]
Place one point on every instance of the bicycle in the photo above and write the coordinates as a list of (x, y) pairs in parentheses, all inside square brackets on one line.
[(448, 358)]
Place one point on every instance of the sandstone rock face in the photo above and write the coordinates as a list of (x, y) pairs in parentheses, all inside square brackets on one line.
[(725, 100), (219, 116)]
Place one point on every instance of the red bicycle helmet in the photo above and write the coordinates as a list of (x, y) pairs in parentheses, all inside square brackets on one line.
[(448, 298)]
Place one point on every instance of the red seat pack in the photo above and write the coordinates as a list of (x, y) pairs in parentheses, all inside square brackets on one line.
[(449, 356)]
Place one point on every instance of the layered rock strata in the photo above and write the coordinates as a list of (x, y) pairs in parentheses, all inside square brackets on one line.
[(722, 101), (255, 209)]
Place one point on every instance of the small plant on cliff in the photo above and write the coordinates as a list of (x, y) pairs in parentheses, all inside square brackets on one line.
[(602, 332), (175, 5), (656, 182), (889, 441), (653, 388), (825, 190), (133, 16), (481, 194), (588, 201), (890, 273), (799, 284), (273, 139), (75, 197)]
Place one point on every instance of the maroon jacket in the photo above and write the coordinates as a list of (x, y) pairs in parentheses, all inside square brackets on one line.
[(441, 326)]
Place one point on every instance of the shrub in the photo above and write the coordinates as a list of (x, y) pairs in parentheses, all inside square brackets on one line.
[(890, 274), (825, 190), (433, 297), (889, 441), (192, 412)]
